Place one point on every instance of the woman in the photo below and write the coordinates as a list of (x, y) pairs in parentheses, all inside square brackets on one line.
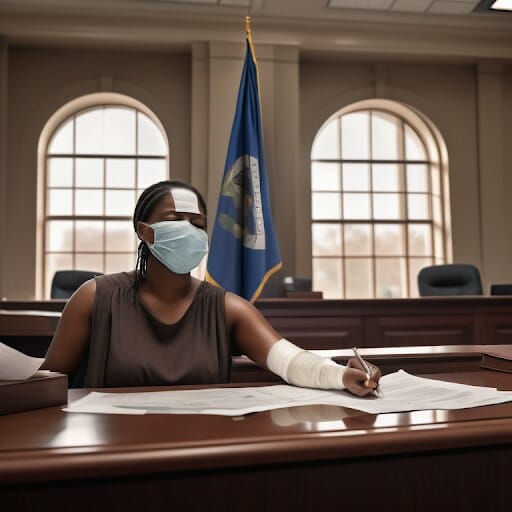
[(160, 326)]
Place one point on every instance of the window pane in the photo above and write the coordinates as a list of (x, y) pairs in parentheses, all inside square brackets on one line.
[(414, 147), (120, 236), (327, 277), (358, 239), (151, 140), (386, 177), (420, 240), (119, 263), (359, 278), (391, 277), (89, 235), (88, 202), (60, 172), (89, 172), (326, 239), (356, 177), (356, 206), (325, 176), (92, 262), (150, 171), (59, 235), (387, 206), (60, 202), (327, 141), (385, 136), (89, 131), (389, 239), (120, 173), (326, 206), (355, 136), (417, 204), (62, 139), (119, 131), (54, 262), (417, 178), (120, 202), (415, 265)]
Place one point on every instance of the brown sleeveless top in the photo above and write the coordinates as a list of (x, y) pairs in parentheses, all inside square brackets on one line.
[(130, 347)]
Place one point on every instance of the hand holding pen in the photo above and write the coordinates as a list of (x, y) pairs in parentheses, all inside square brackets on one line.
[(361, 378)]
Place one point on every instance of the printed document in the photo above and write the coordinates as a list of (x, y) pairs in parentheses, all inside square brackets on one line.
[(15, 365), (399, 392)]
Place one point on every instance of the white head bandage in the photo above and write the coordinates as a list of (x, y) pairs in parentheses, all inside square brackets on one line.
[(185, 200), (302, 368)]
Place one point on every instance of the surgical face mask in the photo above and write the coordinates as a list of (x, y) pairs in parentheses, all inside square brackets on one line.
[(178, 245)]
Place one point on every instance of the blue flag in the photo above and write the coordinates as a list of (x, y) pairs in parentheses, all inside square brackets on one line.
[(244, 251)]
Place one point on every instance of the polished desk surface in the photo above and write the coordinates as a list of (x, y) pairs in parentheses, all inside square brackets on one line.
[(52, 445)]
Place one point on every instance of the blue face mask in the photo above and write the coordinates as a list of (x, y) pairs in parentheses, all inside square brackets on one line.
[(178, 245)]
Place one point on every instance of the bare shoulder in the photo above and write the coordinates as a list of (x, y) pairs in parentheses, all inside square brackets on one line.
[(83, 299), (237, 306)]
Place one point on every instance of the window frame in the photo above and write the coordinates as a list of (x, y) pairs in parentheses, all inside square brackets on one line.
[(46, 156), (435, 220)]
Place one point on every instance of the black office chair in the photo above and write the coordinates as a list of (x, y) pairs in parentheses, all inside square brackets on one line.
[(450, 279), (66, 282), (297, 284)]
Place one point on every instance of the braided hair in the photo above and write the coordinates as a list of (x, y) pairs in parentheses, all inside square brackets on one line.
[(149, 198)]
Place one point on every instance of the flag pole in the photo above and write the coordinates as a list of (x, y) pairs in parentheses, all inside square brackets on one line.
[(248, 32)]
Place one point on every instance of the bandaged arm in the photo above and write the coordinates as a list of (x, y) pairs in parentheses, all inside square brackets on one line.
[(302, 368)]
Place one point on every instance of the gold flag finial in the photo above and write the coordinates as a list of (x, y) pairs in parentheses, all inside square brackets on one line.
[(249, 36)]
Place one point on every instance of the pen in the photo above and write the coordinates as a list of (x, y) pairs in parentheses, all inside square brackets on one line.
[(364, 364)]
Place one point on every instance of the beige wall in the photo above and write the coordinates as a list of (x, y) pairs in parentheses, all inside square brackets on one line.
[(40, 81), (193, 94), (468, 103)]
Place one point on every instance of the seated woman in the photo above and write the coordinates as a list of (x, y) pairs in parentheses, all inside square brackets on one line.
[(157, 325)]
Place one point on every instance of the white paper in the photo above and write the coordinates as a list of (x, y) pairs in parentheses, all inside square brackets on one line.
[(15, 365), (400, 391)]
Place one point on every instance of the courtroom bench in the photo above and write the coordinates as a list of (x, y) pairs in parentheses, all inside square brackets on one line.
[(337, 324)]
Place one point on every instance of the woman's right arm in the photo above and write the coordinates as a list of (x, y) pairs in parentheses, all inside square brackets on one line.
[(71, 337)]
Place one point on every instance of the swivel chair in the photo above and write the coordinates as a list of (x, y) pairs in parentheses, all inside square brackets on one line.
[(450, 279), (66, 282)]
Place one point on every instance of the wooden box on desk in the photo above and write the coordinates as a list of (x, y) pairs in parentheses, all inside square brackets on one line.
[(40, 390)]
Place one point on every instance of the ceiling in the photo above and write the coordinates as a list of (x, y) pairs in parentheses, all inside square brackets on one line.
[(430, 28)]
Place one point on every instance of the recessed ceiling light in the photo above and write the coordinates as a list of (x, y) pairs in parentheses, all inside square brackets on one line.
[(493, 5), (502, 5)]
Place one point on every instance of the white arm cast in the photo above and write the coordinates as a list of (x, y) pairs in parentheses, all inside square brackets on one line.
[(302, 368)]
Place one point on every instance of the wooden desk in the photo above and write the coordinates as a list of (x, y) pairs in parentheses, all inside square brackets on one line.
[(424, 360), (301, 458)]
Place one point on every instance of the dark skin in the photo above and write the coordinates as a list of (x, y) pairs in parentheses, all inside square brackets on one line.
[(168, 296)]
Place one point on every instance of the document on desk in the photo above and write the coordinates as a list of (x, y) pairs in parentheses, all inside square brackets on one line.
[(400, 391), (14, 365)]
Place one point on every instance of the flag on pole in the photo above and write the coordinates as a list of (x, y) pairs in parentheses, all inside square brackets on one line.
[(244, 251)]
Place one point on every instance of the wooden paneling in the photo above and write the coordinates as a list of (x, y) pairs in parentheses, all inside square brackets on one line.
[(328, 324), (404, 331), (324, 324)]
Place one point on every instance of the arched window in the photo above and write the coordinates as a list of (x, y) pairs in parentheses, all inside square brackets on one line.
[(97, 163), (377, 209)]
